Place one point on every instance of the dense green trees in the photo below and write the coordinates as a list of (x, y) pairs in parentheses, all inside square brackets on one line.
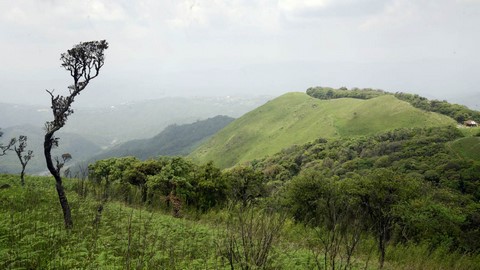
[(400, 186), (331, 93), (162, 182), (458, 112)]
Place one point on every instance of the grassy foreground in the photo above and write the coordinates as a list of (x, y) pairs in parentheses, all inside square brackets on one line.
[(32, 237)]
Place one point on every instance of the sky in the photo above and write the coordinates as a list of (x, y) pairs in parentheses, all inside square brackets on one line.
[(162, 48)]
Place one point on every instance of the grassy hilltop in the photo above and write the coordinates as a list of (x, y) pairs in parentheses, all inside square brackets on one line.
[(297, 118)]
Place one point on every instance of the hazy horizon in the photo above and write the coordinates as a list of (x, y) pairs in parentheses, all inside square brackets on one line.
[(241, 48)]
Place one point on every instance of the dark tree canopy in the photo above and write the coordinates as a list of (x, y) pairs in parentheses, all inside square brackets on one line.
[(84, 62)]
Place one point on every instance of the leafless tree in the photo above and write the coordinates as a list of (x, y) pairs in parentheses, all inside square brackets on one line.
[(24, 159), (5, 148), (84, 62)]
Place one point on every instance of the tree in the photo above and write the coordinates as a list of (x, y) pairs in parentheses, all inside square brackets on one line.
[(250, 236), (5, 148), (246, 184), (84, 62), (381, 194), (24, 159)]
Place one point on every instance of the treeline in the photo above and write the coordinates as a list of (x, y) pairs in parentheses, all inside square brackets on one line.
[(458, 112), (401, 187), (343, 92), (175, 183)]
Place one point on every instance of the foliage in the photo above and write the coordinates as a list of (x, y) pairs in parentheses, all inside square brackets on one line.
[(330, 93), (407, 182), (199, 187), (31, 234), (458, 112), (245, 184)]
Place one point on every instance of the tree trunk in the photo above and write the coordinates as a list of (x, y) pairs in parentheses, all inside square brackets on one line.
[(143, 189), (381, 247), (22, 177), (67, 217), (62, 197)]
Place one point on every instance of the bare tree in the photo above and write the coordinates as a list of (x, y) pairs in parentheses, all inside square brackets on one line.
[(24, 159), (5, 148), (250, 236), (84, 62)]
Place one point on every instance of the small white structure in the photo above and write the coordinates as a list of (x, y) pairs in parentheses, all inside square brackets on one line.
[(471, 123)]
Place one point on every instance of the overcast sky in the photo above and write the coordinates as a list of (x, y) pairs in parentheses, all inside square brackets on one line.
[(164, 48)]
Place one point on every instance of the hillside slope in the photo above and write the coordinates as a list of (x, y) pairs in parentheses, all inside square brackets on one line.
[(296, 118), (469, 146)]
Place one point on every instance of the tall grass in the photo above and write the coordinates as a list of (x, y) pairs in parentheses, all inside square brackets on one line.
[(133, 237)]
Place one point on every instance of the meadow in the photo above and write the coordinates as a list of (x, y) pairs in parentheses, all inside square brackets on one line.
[(32, 236)]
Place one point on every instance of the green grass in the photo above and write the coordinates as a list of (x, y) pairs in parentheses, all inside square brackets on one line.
[(32, 234), (470, 131), (468, 147), (296, 118), (32, 237)]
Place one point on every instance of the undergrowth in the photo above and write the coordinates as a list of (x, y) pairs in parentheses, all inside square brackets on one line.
[(32, 236)]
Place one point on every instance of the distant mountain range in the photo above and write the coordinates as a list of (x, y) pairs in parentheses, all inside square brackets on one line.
[(108, 126)]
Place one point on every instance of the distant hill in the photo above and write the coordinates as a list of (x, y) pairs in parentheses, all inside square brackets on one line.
[(79, 147), (296, 118), (174, 140), (112, 125)]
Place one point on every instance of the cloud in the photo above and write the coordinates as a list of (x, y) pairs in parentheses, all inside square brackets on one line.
[(396, 14), (315, 9), (224, 14), (295, 6)]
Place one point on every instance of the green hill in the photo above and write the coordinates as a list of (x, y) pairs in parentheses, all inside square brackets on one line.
[(296, 118)]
